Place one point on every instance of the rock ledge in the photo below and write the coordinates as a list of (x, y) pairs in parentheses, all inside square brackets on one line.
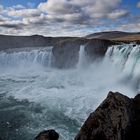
[(117, 118)]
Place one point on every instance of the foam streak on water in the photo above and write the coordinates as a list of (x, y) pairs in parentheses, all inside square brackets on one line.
[(43, 98)]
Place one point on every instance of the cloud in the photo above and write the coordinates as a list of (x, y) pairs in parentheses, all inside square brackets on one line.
[(138, 4), (91, 9), (24, 12), (118, 13), (81, 11), (12, 25), (132, 27), (17, 7), (59, 7), (65, 17), (2, 18)]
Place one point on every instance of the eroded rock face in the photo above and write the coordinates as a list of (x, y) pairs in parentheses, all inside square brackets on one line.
[(133, 129), (65, 49), (96, 48), (66, 53), (47, 135), (117, 118), (10, 42)]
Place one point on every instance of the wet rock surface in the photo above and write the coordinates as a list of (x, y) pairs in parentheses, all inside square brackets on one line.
[(96, 48), (66, 53), (47, 135), (65, 49), (117, 118)]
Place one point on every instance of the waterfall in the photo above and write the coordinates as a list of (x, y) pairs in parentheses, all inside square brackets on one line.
[(82, 57), (126, 58), (13, 58), (60, 99)]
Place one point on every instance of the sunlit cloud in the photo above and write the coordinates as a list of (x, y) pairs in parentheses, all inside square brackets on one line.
[(65, 17)]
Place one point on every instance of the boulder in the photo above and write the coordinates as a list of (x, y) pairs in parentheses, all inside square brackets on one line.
[(47, 135), (117, 118)]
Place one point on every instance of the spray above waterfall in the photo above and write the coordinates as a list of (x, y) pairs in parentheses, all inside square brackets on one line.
[(82, 57), (61, 98), (26, 58), (126, 58)]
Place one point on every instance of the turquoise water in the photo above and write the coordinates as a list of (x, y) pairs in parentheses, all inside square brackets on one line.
[(34, 96)]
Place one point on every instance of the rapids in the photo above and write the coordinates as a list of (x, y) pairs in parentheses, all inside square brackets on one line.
[(35, 96)]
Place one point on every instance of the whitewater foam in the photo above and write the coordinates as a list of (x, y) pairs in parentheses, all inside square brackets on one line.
[(26, 58), (66, 97)]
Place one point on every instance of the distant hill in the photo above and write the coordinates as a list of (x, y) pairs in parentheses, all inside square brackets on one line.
[(9, 41), (115, 35)]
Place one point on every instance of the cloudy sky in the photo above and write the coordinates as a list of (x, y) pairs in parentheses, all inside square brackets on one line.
[(68, 17)]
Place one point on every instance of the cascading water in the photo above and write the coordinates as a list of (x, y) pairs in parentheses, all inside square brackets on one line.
[(127, 59), (41, 98), (82, 57), (26, 58)]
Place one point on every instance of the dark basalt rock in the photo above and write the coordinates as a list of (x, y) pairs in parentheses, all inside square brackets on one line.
[(96, 48), (65, 50), (47, 135), (117, 118), (133, 129), (10, 42), (66, 53), (138, 41)]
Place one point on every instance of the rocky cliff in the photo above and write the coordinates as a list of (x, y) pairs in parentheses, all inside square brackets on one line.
[(66, 52), (65, 49), (96, 48), (117, 118), (9, 42)]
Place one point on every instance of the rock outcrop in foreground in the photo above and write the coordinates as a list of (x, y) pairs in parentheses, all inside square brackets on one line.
[(47, 135), (117, 118)]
